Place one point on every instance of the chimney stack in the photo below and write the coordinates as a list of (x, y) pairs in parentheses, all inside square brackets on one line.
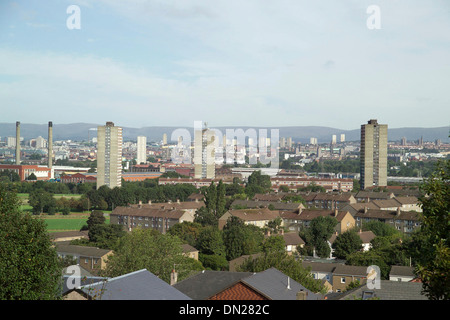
[(173, 277), (18, 143), (50, 144), (301, 295)]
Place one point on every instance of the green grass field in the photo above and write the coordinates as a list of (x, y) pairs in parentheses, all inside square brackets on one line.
[(55, 223)]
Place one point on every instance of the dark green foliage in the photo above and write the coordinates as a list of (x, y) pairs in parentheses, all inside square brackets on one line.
[(286, 264), (213, 262), (156, 252), (29, 265), (318, 233), (241, 239), (346, 243), (433, 264)]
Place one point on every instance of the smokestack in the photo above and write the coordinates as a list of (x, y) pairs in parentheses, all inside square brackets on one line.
[(50, 144), (18, 143)]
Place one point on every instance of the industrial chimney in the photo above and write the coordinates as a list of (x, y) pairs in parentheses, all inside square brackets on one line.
[(17, 143), (50, 144)]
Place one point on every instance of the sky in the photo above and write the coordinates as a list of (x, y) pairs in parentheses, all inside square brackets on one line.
[(252, 63)]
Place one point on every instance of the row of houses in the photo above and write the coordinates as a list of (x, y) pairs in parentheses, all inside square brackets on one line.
[(270, 284)]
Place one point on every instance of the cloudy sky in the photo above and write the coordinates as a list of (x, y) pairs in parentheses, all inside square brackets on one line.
[(227, 62)]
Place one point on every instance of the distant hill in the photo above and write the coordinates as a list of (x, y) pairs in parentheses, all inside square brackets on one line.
[(83, 131)]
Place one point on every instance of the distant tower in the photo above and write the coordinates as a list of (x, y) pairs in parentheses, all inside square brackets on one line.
[(204, 153), (50, 144), (17, 143), (289, 142), (141, 150), (342, 137), (333, 139), (164, 139), (373, 154), (109, 155)]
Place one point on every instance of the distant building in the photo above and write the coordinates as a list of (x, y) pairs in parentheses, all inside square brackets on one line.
[(204, 153), (373, 154), (109, 156), (141, 150), (24, 171), (342, 137)]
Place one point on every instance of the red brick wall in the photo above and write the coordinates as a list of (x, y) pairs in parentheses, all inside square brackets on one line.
[(238, 292)]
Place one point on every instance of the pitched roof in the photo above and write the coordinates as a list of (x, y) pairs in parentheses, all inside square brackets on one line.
[(275, 285), (319, 266), (310, 214), (147, 212), (292, 238), (407, 200), (389, 290), (254, 214), (374, 195), (81, 250), (347, 270), (387, 203), (207, 283), (138, 285), (182, 205), (261, 204), (402, 271), (388, 214)]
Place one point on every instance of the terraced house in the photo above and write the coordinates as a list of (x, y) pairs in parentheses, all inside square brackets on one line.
[(160, 219), (403, 221)]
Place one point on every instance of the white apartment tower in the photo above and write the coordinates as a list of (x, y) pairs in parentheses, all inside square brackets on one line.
[(141, 150), (109, 155), (204, 154)]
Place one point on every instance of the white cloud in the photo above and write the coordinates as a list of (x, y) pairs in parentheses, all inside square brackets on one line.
[(258, 62)]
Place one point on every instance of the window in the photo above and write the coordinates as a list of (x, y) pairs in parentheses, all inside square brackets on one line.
[(367, 295), (342, 279)]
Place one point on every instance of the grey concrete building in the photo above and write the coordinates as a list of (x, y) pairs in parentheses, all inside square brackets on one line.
[(373, 154), (109, 155)]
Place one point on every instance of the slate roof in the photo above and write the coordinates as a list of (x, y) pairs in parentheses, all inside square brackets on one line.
[(292, 238), (365, 236), (402, 271), (389, 290), (271, 283), (81, 250), (138, 285), (275, 285), (319, 266), (308, 214), (254, 214), (257, 204), (207, 283), (388, 214), (347, 270), (148, 212)]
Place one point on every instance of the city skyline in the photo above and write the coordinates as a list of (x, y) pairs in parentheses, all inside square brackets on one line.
[(283, 63)]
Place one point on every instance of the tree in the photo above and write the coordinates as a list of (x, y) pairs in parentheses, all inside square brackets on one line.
[(149, 249), (42, 201), (210, 241), (95, 218), (241, 239), (273, 243), (286, 264), (318, 233), (346, 243), (433, 265), (32, 177), (188, 232), (29, 265)]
